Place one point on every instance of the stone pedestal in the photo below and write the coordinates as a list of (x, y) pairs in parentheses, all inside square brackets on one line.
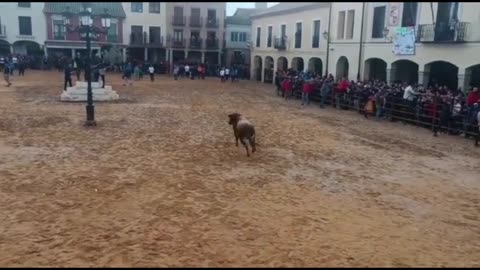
[(79, 92)]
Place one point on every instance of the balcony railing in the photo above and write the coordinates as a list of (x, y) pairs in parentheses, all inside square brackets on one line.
[(59, 36), (196, 21), (155, 41), (177, 43), (3, 31), (280, 43), (113, 39), (178, 20), (443, 32), (212, 22), (196, 43), (212, 44), (138, 39)]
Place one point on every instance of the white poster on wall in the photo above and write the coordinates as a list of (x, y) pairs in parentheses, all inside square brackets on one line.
[(394, 14), (404, 41)]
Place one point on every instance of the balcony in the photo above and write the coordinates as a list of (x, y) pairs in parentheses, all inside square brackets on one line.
[(178, 43), (443, 32), (196, 21), (212, 22), (280, 43), (178, 21), (138, 39), (212, 44), (196, 43), (3, 31), (156, 41)]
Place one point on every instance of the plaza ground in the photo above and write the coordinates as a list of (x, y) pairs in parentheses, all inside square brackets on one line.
[(159, 182)]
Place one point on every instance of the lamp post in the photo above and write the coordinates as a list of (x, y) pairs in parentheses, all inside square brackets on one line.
[(326, 36), (385, 34), (88, 31)]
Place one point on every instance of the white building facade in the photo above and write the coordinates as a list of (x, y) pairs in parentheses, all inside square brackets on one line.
[(144, 30), (289, 35), (22, 27), (444, 52), (362, 38)]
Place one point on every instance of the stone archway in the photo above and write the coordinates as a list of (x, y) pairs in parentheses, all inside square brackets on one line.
[(297, 64), (315, 65), (404, 71), (375, 69), (257, 68), (342, 68), (472, 77), (27, 47), (4, 47), (269, 67), (442, 73), (282, 64)]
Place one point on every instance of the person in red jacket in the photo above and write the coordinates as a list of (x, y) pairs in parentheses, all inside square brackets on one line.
[(472, 98), (307, 89), (287, 87), (341, 91)]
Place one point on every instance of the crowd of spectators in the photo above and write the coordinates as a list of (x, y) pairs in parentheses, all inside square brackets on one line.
[(443, 109)]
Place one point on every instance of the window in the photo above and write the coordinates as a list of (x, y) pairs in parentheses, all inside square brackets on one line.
[(283, 30), (137, 7), (112, 34), (259, 32), (378, 22), (234, 36), (24, 4), (58, 30), (242, 37), (316, 34), (154, 33), (212, 14), (137, 34), (154, 7), (178, 35), (25, 25), (269, 39), (409, 15), (341, 25), (298, 35), (350, 23)]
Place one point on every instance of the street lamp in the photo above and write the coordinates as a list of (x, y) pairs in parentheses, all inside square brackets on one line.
[(326, 36), (385, 34), (88, 31)]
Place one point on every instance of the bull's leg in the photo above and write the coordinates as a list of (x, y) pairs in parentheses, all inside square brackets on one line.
[(246, 146), (236, 136), (252, 143)]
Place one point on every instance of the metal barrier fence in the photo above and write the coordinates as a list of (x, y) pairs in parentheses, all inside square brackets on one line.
[(434, 115)]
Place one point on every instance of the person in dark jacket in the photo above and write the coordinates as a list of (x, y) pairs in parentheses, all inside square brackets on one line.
[(68, 76)]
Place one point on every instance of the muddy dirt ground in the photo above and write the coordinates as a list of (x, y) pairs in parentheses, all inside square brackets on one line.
[(160, 182)]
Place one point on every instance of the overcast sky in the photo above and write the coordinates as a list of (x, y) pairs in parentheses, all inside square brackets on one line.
[(232, 6)]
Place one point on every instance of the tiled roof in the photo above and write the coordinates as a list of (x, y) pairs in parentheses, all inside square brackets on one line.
[(241, 16), (113, 8)]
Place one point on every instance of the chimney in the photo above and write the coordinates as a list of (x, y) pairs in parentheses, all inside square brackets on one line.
[(260, 5)]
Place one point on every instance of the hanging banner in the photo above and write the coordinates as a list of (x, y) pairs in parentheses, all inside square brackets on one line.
[(394, 14), (404, 41)]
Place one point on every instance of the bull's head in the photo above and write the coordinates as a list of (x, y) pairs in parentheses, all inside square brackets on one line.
[(234, 118)]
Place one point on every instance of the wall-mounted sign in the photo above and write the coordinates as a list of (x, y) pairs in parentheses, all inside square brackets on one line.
[(404, 41)]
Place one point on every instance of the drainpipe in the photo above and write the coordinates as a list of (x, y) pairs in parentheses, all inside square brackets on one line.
[(328, 37), (361, 41)]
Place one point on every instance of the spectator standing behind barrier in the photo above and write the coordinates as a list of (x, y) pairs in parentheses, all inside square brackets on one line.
[(472, 98), (102, 71), (326, 89), (222, 75), (6, 73), (477, 138), (151, 71)]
